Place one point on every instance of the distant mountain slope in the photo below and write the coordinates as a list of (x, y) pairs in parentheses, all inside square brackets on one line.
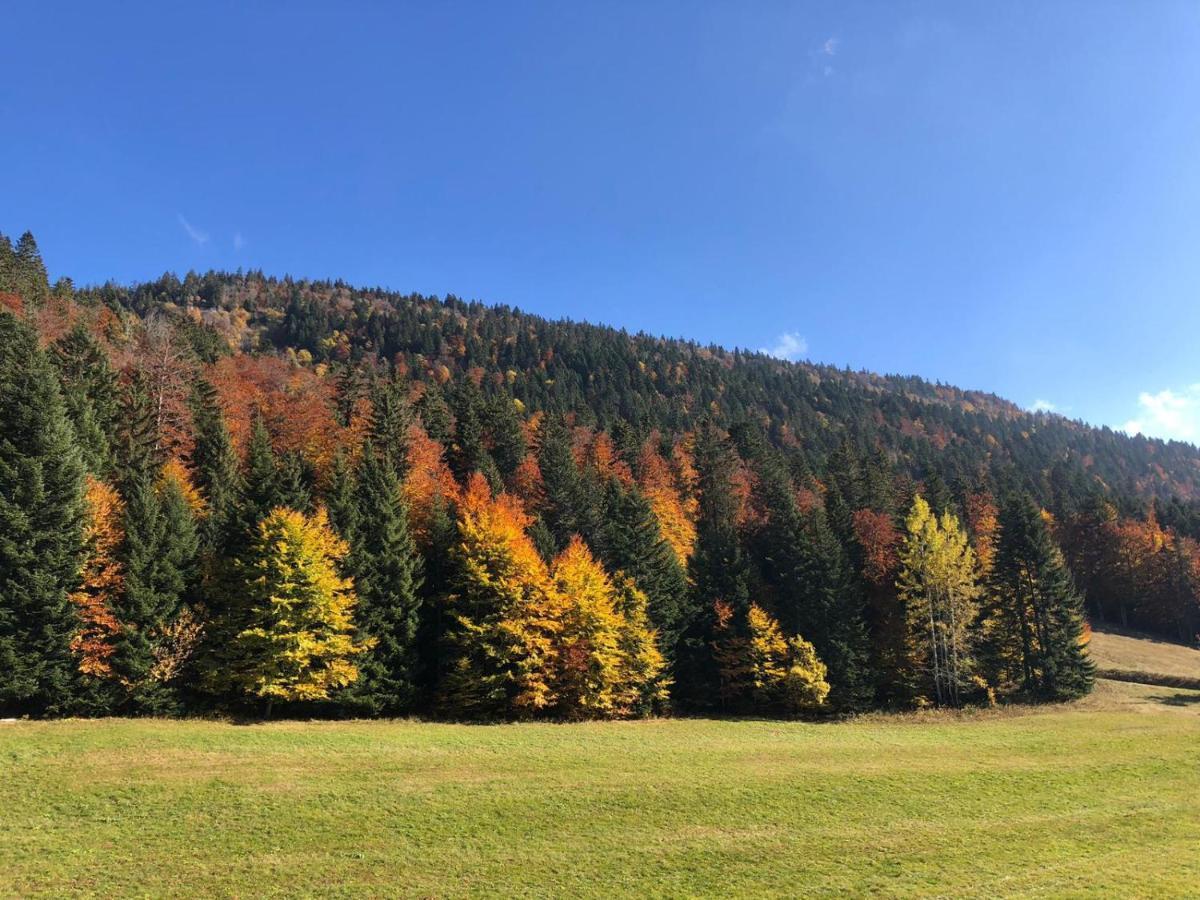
[(604, 374)]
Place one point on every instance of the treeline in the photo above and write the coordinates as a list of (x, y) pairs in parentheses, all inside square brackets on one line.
[(187, 527)]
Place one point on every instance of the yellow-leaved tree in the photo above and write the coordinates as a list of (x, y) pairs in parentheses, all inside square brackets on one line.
[(291, 628), (609, 664), (938, 585), (761, 669), (101, 581), (504, 618)]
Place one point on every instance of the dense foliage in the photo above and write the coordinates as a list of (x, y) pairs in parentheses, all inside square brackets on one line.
[(232, 491)]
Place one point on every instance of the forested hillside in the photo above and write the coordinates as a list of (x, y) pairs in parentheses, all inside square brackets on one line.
[(236, 492)]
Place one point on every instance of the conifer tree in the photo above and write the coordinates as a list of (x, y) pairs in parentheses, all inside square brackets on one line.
[(631, 542), (262, 479), (32, 282), (387, 577), (102, 581), (391, 417), (341, 499), (92, 396), (160, 560), (1034, 615), (216, 465), (718, 569), (567, 508), (41, 531)]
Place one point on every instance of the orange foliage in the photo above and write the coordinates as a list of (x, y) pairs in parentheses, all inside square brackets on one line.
[(879, 538), (102, 579), (297, 404), (983, 524), (176, 471), (675, 514), (428, 482), (526, 482)]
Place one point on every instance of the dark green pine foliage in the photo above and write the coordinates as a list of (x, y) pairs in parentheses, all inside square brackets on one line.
[(341, 498), (434, 413), (815, 596), (507, 437), (92, 396), (215, 463), (262, 479), (469, 453), (31, 281), (436, 572), (138, 456), (569, 507), (386, 569), (295, 478), (391, 416), (41, 531), (718, 569), (161, 565), (632, 542), (1035, 613), (8, 266)]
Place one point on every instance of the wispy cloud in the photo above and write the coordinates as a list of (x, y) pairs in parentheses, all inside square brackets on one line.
[(238, 241), (789, 345), (1168, 414), (1044, 406), (200, 237), (830, 47)]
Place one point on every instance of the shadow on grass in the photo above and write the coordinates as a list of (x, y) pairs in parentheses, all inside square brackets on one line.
[(1190, 699)]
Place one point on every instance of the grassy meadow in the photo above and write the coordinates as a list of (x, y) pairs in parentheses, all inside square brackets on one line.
[(1099, 798)]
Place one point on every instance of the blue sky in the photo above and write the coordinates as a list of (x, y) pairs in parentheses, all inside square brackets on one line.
[(1002, 196)]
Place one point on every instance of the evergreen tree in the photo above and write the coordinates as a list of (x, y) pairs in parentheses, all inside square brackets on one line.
[(32, 282), (568, 507), (216, 465), (92, 397), (1034, 615), (631, 542), (41, 531), (391, 417), (387, 577), (160, 560), (263, 492)]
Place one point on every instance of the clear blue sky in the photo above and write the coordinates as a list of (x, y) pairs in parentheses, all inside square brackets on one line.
[(1003, 196)]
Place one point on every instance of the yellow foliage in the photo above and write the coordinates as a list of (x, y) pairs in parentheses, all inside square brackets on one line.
[(102, 579)]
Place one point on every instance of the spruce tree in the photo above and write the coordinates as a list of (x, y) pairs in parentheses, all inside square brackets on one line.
[(569, 508), (92, 397), (216, 465), (632, 542), (390, 418), (41, 531), (387, 578), (32, 282), (160, 560), (1035, 615)]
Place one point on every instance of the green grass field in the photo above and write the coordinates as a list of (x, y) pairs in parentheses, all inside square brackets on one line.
[(1101, 798)]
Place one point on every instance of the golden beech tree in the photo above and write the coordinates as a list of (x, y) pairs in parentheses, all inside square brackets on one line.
[(101, 580), (292, 638)]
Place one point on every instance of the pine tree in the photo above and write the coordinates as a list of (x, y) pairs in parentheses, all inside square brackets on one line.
[(92, 397), (32, 282), (291, 629), (387, 576), (216, 465), (41, 531), (631, 542), (341, 499), (262, 491), (568, 508), (1034, 615), (391, 417), (160, 559), (718, 570)]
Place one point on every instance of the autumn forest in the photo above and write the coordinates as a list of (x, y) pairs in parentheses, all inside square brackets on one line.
[(270, 497)]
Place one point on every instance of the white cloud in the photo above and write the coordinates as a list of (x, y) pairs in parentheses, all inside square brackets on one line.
[(1044, 406), (830, 47), (1168, 414), (238, 241), (789, 345), (200, 237)]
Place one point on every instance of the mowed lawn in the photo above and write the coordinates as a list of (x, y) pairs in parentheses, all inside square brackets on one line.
[(1101, 798)]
